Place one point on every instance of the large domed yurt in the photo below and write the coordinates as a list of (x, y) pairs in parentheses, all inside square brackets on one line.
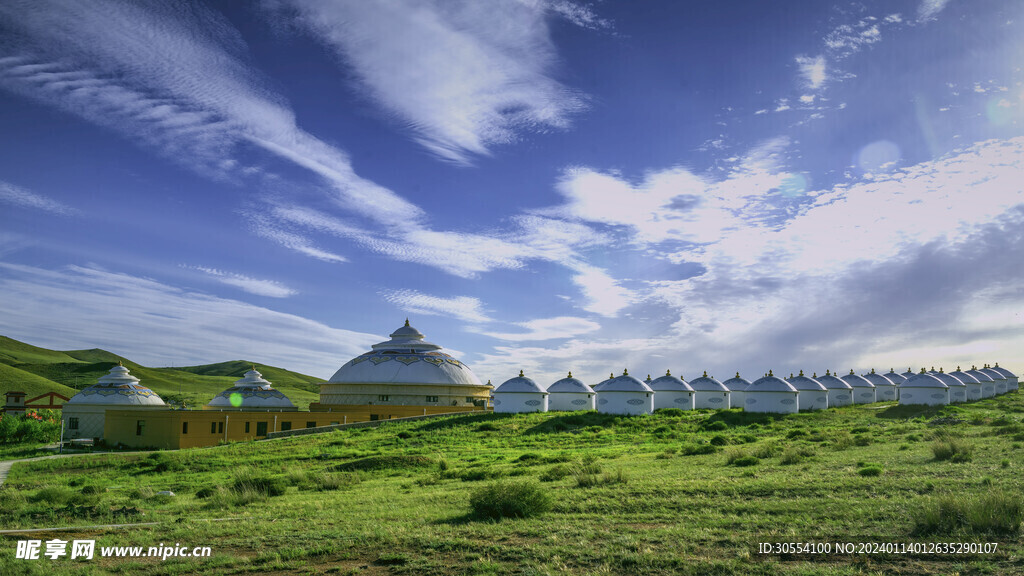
[(597, 387), (863, 389), (988, 384), (957, 389), (737, 386), (251, 393), (771, 394), (672, 392), (709, 393), (1002, 386), (897, 379), (972, 384), (885, 389), (924, 389), (520, 394), (839, 392), (1012, 382), (403, 376), (85, 413), (570, 394), (625, 395), (812, 395)]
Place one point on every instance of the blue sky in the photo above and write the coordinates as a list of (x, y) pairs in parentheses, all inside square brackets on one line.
[(538, 184)]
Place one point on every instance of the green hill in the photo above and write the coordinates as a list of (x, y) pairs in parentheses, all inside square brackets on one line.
[(12, 379), (13, 352), (237, 368)]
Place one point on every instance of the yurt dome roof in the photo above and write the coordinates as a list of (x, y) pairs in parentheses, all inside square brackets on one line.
[(981, 376), (833, 383), (801, 382), (923, 380), (737, 384), (625, 383), (118, 387), (1006, 373), (878, 379), (668, 382), (994, 374), (707, 384), (570, 385), (895, 378), (908, 374), (770, 383), (948, 379), (251, 391), (519, 384), (405, 359), (857, 381), (964, 376)]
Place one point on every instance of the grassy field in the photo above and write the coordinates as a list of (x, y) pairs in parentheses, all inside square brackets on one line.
[(672, 493)]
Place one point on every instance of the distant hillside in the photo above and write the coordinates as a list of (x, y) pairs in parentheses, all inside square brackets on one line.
[(37, 370)]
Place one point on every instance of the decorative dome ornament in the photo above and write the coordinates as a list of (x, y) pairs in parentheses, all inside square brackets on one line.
[(251, 392), (118, 387), (570, 394), (672, 392)]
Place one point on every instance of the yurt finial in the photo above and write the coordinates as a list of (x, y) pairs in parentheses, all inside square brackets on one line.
[(520, 373), (407, 321), (851, 370), (997, 364), (770, 375), (737, 374), (570, 373), (611, 375), (872, 370), (120, 364), (827, 372), (922, 370), (625, 372), (790, 375), (933, 368), (705, 373), (940, 370), (668, 372), (957, 367), (801, 373), (815, 375)]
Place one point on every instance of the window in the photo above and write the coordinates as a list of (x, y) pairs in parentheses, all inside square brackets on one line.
[(73, 423), (184, 427), (383, 398), (374, 417), (220, 427), (431, 398), (140, 427), (469, 399), (213, 427), (246, 427), (286, 426), (261, 428), (310, 424)]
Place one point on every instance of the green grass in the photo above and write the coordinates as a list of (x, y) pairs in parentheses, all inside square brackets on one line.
[(657, 497)]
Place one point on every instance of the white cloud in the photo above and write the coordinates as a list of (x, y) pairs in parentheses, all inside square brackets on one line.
[(464, 75), (22, 198), (464, 308), (812, 70), (256, 286), (602, 294), (160, 325), (929, 9), (549, 329)]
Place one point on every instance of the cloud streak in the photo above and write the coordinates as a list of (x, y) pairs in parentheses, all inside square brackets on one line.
[(464, 308), (269, 288), (22, 198)]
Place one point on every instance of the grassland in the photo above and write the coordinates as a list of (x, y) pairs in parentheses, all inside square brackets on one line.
[(672, 493)]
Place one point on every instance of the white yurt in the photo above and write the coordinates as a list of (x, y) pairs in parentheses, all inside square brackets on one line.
[(885, 389), (597, 387), (972, 384), (863, 389), (988, 384), (85, 413), (252, 392), (1002, 386), (839, 392), (957, 389), (709, 393), (771, 394), (625, 395), (1012, 382), (812, 395), (570, 394), (737, 386), (896, 379), (672, 392), (924, 389), (520, 394)]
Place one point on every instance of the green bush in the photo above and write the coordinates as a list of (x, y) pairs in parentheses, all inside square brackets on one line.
[(992, 513), (556, 472), (720, 440), (796, 454), (670, 412), (91, 489), (716, 426), (206, 492), (746, 461), (509, 499), (264, 485), (796, 433), (952, 449), (33, 427), (697, 449), (870, 471)]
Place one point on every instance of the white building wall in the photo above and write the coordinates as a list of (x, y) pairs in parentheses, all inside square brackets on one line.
[(571, 401), (774, 402), (839, 397), (973, 391), (958, 394), (1001, 387), (625, 402), (863, 395), (515, 402), (924, 396), (90, 420), (681, 399), (737, 399), (885, 393), (707, 399), (988, 389), (812, 399)]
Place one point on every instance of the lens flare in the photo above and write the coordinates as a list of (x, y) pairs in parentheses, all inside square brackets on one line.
[(878, 156), (235, 399)]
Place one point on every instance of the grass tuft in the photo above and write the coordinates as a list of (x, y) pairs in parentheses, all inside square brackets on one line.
[(991, 513), (509, 499), (952, 449)]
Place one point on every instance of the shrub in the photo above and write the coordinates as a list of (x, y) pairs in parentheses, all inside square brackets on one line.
[(870, 471), (509, 499), (487, 428), (670, 412), (719, 440), (1004, 463), (795, 455), (746, 461), (385, 463), (955, 514), (326, 481), (862, 440), (766, 450), (55, 495), (529, 456), (556, 472), (206, 492), (859, 430), (90, 490), (952, 449), (263, 485), (697, 449), (405, 435), (32, 427), (796, 433), (733, 455), (716, 426)]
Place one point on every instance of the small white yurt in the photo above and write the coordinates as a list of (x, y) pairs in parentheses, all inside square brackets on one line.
[(924, 389), (520, 394), (86, 412), (771, 394), (1002, 386), (885, 389), (597, 387), (709, 393), (625, 395), (737, 386), (988, 385), (839, 392), (672, 392), (812, 395), (957, 389), (897, 379), (1012, 382), (863, 389), (570, 394), (251, 392), (972, 384)]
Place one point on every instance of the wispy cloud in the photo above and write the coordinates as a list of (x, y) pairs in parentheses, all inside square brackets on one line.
[(22, 198), (464, 308), (812, 70), (256, 286), (464, 76), (929, 9), (549, 329)]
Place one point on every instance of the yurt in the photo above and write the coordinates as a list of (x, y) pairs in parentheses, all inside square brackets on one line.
[(672, 392), (1002, 386), (863, 389), (812, 395), (250, 393), (625, 395), (1012, 382), (520, 394), (85, 413), (737, 386), (957, 389), (885, 389), (597, 387), (972, 384), (924, 389), (839, 392), (988, 384), (771, 394), (709, 393), (896, 379), (570, 394)]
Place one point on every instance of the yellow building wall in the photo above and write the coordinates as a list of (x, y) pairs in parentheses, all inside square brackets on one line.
[(167, 428), (347, 413)]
